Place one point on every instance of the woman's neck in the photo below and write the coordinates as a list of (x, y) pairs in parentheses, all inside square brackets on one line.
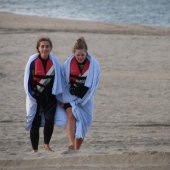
[(43, 57)]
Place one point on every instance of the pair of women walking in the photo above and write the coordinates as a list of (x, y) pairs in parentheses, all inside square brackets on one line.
[(61, 95)]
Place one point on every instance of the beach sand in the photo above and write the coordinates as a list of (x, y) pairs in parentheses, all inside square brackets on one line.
[(131, 123)]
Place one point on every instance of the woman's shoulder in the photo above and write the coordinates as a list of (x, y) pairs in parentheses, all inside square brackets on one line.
[(33, 56), (93, 59), (68, 60), (54, 58)]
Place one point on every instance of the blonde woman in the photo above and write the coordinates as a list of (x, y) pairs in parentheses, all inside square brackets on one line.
[(81, 73)]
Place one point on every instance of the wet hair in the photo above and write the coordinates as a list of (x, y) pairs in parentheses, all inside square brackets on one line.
[(44, 39), (80, 44)]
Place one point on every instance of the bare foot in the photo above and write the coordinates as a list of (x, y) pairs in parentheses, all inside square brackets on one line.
[(47, 148), (34, 151), (71, 147), (70, 150)]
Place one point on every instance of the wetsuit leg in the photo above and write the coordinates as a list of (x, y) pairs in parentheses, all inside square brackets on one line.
[(49, 115), (34, 132)]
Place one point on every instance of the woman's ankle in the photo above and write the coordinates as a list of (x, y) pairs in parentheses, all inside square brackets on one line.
[(47, 147), (35, 150)]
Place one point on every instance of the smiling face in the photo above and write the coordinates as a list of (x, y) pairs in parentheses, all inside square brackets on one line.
[(44, 49), (80, 55)]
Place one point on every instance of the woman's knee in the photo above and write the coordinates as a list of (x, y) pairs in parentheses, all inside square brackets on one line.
[(70, 113)]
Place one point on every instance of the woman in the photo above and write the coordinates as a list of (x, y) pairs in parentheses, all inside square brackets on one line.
[(81, 77), (42, 82)]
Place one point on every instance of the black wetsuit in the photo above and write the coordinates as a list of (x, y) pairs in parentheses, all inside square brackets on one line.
[(46, 104)]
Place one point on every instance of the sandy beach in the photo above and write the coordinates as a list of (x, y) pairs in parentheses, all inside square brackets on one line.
[(131, 125)]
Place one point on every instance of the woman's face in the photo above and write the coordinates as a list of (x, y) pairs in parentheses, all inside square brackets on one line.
[(80, 55), (44, 49)]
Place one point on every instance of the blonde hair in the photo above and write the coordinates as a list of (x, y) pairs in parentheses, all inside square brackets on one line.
[(80, 44)]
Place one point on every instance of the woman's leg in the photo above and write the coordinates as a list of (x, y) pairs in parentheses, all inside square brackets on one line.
[(71, 127), (34, 132), (49, 126), (78, 143)]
